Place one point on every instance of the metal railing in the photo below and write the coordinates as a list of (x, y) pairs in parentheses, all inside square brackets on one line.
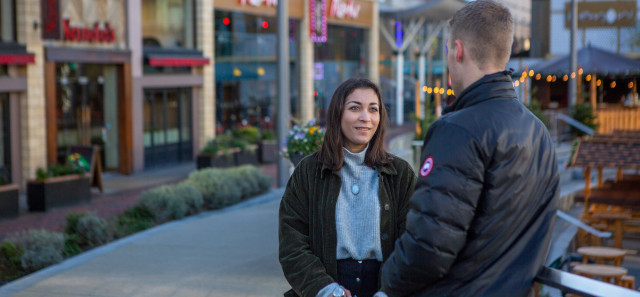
[(583, 286)]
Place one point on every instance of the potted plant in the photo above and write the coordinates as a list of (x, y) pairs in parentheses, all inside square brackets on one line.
[(302, 141), (268, 147), (9, 199), (217, 153), (60, 185), (246, 139)]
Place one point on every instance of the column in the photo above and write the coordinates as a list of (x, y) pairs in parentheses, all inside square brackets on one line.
[(32, 108), (206, 107), (306, 61), (374, 45)]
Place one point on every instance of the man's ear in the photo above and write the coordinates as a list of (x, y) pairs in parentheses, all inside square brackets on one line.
[(459, 51)]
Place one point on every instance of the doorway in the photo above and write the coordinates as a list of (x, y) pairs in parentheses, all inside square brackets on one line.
[(167, 126)]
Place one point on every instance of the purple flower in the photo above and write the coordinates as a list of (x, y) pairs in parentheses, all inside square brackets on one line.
[(299, 136)]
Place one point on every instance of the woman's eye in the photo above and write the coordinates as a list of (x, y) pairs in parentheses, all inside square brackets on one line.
[(354, 108), (373, 110)]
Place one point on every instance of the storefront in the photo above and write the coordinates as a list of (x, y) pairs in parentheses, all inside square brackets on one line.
[(170, 83), (339, 47), (87, 73), (13, 86), (245, 63)]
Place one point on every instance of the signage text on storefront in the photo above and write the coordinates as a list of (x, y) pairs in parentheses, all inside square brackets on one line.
[(603, 14), (50, 14), (268, 3), (344, 9), (95, 34)]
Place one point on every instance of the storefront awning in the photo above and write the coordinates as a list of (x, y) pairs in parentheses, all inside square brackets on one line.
[(15, 54), (159, 57), (159, 60)]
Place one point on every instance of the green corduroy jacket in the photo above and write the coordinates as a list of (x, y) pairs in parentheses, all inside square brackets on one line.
[(307, 224)]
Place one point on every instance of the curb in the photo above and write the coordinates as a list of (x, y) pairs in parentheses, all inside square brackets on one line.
[(27, 281)]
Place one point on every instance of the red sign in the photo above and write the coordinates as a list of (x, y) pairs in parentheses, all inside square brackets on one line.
[(178, 61), (95, 34), (16, 59), (50, 13)]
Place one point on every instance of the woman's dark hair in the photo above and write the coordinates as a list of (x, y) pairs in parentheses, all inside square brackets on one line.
[(331, 151)]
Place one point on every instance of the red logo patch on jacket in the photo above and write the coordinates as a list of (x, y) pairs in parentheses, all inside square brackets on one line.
[(427, 166)]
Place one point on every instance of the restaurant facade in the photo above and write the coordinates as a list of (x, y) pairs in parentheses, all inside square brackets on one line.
[(150, 82)]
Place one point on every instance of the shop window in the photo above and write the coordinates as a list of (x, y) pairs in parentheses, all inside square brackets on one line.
[(4, 70), (7, 21), (168, 23), (5, 141)]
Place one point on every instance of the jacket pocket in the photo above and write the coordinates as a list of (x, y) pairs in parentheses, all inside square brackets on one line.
[(290, 293)]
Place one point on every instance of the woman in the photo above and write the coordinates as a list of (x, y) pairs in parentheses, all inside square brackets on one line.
[(345, 205)]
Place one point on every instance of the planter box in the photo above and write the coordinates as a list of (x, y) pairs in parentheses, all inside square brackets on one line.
[(58, 191), (268, 151), (247, 157), (9, 201), (220, 161)]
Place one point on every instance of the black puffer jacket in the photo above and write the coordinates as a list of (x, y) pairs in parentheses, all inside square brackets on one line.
[(480, 219)]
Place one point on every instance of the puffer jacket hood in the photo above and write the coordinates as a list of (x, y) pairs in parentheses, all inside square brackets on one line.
[(480, 219)]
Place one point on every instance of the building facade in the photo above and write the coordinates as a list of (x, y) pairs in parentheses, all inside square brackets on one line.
[(150, 82)]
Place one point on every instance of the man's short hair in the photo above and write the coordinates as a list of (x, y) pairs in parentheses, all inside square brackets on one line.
[(486, 28)]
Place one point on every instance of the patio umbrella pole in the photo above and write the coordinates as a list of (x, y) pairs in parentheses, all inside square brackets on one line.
[(594, 93), (574, 55)]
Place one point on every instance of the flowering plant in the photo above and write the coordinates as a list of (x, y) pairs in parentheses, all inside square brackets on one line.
[(303, 140)]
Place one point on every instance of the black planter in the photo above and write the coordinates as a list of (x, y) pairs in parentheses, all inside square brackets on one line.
[(58, 191), (247, 157), (220, 161), (296, 158), (9, 206), (268, 151)]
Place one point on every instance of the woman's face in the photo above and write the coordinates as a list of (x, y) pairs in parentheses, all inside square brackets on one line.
[(360, 119)]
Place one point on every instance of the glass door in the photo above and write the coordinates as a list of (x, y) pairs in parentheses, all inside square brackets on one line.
[(87, 110), (167, 126)]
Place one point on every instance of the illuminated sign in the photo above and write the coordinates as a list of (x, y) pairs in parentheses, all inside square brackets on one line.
[(268, 3), (318, 20), (344, 9), (603, 14)]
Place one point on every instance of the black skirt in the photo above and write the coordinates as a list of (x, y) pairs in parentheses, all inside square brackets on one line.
[(359, 276)]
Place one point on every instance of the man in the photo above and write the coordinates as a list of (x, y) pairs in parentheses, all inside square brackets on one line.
[(480, 219)]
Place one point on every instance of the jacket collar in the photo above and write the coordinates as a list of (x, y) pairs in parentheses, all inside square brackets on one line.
[(490, 86), (388, 169)]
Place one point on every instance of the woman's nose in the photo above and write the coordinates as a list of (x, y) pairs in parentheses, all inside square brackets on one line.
[(364, 116)]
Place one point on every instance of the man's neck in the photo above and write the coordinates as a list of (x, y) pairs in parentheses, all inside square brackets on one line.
[(474, 74)]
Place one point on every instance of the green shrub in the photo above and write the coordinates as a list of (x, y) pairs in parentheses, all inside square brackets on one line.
[(58, 170), (89, 228), (163, 205), (583, 113), (42, 248), (10, 264), (217, 189), (250, 134), (250, 180), (133, 220), (268, 135), (191, 196)]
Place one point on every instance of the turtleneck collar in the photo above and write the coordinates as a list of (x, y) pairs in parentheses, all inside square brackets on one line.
[(356, 158), (490, 86)]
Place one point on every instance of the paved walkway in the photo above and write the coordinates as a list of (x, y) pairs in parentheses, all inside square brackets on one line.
[(230, 252)]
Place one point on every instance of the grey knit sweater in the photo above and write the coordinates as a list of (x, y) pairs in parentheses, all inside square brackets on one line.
[(358, 215)]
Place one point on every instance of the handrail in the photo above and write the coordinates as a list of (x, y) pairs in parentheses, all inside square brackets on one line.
[(582, 225), (583, 286), (571, 121)]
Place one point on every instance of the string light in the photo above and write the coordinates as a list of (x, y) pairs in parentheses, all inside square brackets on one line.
[(538, 76), (436, 90), (531, 73), (631, 85), (237, 72), (565, 78), (598, 83), (441, 91), (554, 78), (522, 79), (588, 77), (449, 92), (429, 90), (573, 75), (517, 83), (260, 71), (580, 71), (424, 89), (549, 78), (613, 84)]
